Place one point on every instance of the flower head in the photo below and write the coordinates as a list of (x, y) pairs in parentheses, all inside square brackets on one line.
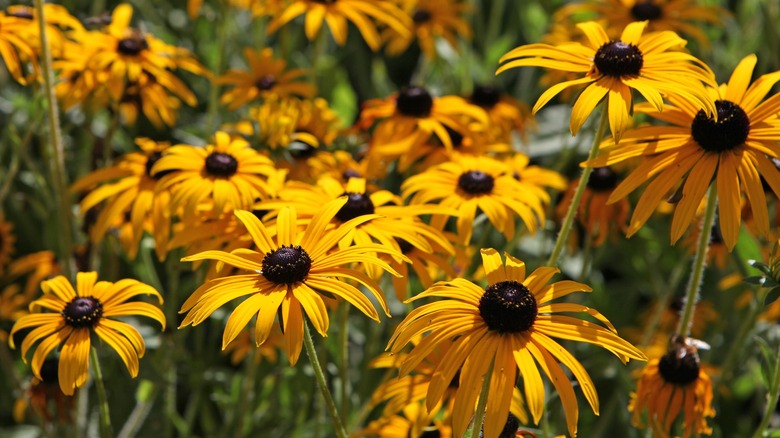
[(651, 64), (68, 317), (694, 150), (289, 275), (511, 324), (672, 386)]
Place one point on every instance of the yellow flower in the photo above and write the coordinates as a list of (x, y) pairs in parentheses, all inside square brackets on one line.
[(651, 64), (672, 386), (337, 12), (694, 149), (15, 48), (594, 213), (227, 175), (466, 183), (410, 118), (412, 422), (111, 65), (510, 325), (431, 19), (130, 194), (75, 315), (507, 115), (267, 77), (681, 16), (289, 275)]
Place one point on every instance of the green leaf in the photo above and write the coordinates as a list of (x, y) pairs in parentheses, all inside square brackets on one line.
[(763, 267), (756, 279), (772, 296)]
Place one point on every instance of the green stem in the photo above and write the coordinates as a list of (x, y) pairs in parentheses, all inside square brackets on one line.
[(105, 417), (699, 262), (479, 415), (344, 360), (774, 391), (497, 8), (245, 397), (320, 376), (56, 150), (568, 221), (219, 61), (141, 411)]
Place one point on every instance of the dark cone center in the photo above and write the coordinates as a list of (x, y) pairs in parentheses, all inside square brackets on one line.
[(421, 16), (475, 182), (680, 365), (82, 312), (221, 165), (358, 204), (414, 102), (730, 131), (509, 430), (133, 45), (266, 82), (618, 59), (603, 179), (151, 160), (350, 173), (486, 96), (508, 307), (286, 265), (646, 10)]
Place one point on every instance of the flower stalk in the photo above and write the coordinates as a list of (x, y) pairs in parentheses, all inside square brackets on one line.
[(323, 385), (479, 414), (55, 147), (105, 417), (699, 262), (568, 221)]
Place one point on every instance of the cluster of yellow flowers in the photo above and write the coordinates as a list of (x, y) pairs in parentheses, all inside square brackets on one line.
[(295, 213)]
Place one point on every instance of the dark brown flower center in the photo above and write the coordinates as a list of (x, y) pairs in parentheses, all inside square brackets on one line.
[(358, 204), (509, 430), (730, 131), (680, 365), (82, 312), (151, 160), (221, 165), (475, 182), (350, 173), (618, 59), (421, 16), (133, 45), (508, 307), (646, 10), (603, 179), (266, 82), (286, 265), (414, 102), (486, 96)]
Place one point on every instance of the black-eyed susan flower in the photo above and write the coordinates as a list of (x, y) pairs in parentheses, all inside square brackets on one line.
[(681, 16), (33, 268), (413, 421), (227, 175), (652, 64), (431, 19), (68, 317), (129, 191), (469, 183), (337, 13), (267, 76), (242, 346), (15, 48), (412, 116), (292, 275), (120, 59), (395, 222), (694, 150), (511, 325), (598, 218), (45, 397), (673, 387), (507, 115)]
